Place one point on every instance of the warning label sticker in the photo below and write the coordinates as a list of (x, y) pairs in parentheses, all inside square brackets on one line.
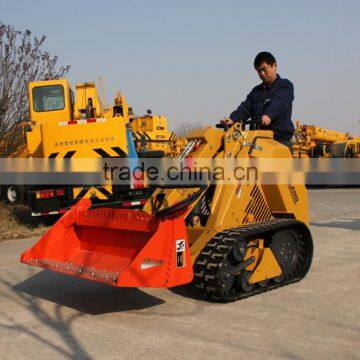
[(180, 253)]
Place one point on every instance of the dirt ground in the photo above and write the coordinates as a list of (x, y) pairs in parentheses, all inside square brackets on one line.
[(16, 222)]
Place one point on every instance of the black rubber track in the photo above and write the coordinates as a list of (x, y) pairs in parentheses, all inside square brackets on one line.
[(213, 258)]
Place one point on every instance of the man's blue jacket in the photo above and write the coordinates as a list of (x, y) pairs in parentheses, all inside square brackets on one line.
[(275, 101)]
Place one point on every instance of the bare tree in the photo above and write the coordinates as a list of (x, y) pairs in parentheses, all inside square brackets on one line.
[(22, 59), (185, 128)]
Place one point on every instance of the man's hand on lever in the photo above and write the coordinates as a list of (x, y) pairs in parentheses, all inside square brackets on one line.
[(265, 120), (227, 121)]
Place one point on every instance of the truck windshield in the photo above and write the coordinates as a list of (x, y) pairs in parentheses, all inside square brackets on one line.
[(338, 150), (48, 98)]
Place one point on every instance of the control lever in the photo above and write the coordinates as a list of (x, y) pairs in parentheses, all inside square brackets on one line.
[(254, 146), (222, 126), (243, 135), (257, 122)]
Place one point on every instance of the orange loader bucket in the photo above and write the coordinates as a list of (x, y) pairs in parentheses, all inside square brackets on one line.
[(119, 247)]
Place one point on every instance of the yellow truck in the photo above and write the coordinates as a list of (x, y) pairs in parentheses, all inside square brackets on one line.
[(64, 124), (13, 145), (314, 142), (346, 149)]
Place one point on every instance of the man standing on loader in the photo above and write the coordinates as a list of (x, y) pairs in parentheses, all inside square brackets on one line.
[(269, 103)]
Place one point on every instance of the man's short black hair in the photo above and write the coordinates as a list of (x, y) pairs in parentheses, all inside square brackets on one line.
[(264, 57)]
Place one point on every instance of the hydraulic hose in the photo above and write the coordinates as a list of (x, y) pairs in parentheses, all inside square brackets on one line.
[(164, 213)]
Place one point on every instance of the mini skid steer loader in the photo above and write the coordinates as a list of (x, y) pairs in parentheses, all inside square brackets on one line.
[(231, 240)]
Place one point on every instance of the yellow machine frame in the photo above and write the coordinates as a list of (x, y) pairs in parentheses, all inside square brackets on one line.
[(314, 141)]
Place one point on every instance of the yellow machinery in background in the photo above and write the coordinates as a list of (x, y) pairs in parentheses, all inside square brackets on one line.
[(13, 145), (53, 107), (346, 149), (68, 125), (313, 142), (151, 134)]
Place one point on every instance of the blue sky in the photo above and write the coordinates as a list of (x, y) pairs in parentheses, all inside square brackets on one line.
[(192, 60)]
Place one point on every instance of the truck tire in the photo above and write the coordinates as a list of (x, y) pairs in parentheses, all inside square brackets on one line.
[(14, 194)]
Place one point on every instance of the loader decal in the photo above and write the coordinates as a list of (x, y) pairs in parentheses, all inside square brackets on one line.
[(180, 253), (149, 263), (294, 194)]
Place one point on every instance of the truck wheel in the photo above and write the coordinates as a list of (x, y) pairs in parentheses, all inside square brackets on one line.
[(13, 194)]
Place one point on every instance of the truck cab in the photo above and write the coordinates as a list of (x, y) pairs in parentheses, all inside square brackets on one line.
[(50, 101), (346, 149)]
